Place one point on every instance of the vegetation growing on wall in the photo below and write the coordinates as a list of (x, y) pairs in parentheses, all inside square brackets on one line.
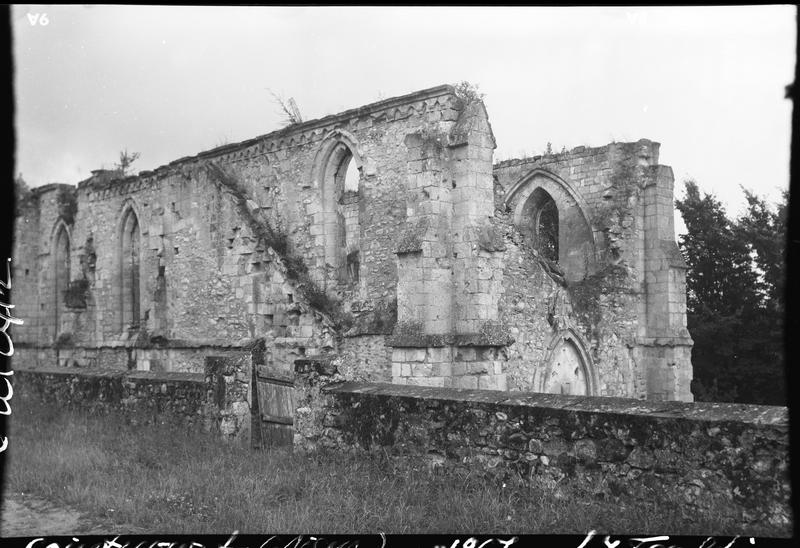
[(21, 189), (615, 215), (126, 159), (611, 280), (467, 93), (277, 239)]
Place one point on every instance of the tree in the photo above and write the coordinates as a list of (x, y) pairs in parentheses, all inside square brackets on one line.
[(734, 288), (125, 161), (764, 229), (467, 93), (291, 114), (712, 246), (21, 188)]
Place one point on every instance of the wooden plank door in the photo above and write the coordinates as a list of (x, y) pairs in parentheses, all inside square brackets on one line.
[(275, 399)]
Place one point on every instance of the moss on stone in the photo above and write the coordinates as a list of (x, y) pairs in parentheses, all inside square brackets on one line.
[(412, 335), (410, 240), (585, 294)]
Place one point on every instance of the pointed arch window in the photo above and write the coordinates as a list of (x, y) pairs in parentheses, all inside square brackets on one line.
[(61, 274), (541, 214), (130, 270), (341, 184), (547, 228)]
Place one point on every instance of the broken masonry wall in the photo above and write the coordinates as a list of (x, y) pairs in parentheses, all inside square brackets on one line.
[(291, 176), (204, 287), (525, 302), (38, 219), (626, 300), (260, 239), (209, 281)]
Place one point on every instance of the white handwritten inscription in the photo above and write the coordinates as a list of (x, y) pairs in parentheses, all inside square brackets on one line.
[(6, 347), (654, 542), (5, 314), (40, 19), (310, 541), (472, 542), (274, 541)]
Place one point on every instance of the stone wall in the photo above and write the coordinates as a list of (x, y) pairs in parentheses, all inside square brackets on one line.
[(208, 277), (214, 401), (617, 292), (721, 459), (428, 269)]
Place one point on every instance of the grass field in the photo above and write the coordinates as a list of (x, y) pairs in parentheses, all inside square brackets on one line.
[(170, 481)]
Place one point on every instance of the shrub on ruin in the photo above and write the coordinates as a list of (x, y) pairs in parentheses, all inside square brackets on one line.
[(467, 93)]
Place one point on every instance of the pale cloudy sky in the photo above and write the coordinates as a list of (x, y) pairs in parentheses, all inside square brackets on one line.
[(707, 83)]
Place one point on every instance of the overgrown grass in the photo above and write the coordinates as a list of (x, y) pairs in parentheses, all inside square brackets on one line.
[(171, 481)]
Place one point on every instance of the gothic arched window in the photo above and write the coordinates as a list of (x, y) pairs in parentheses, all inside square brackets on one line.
[(60, 276), (341, 181), (129, 270), (542, 219)]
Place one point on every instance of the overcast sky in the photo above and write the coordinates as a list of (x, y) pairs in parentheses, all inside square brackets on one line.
[(707, 83)]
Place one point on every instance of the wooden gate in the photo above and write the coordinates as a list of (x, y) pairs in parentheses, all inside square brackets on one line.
[(273, 407)]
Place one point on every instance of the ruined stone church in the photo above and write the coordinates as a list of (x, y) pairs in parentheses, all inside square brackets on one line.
[(383, 237)]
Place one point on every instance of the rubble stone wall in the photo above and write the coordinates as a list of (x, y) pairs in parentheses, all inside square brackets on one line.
[(718, 458), (215, 400)]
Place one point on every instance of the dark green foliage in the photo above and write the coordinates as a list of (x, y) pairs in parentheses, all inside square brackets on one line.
[(735, 298)]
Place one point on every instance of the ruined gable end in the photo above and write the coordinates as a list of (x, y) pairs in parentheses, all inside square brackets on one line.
[(382, 242)]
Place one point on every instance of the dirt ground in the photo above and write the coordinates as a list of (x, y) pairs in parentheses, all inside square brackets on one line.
[(26, 516)]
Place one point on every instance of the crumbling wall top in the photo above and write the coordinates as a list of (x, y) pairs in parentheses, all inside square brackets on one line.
[(288, 136)]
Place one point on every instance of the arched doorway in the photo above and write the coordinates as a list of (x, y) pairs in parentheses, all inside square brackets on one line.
[(569, 369)]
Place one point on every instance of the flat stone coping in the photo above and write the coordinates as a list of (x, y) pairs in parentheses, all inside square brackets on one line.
[(174, 344), (157, 376), (702, 411)]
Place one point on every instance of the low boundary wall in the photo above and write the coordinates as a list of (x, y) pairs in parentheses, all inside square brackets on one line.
[(214, 401), (729, 459)]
